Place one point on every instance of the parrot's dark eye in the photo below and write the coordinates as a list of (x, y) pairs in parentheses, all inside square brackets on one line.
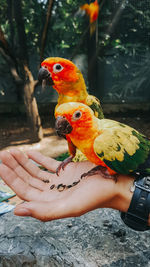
[(57, 67), (77, 115)]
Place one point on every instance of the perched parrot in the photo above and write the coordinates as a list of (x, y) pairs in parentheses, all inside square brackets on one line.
[(114, 147), (92, 10), (69, 83)]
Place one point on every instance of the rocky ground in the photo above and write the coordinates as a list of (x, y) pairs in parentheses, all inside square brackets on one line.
[(98, 238)]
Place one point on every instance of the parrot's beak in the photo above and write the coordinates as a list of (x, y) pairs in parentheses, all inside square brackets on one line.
[(44, 75), (62, 126)]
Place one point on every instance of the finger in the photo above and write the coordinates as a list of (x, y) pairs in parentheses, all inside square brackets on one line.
[(28, 166), (24, 190), (49, 163), (8, 159), (25, 169), (11, 162)]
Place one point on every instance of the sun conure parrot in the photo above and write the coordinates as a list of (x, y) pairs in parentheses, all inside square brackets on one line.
[(92, 10), (114, 147), (69, 83)]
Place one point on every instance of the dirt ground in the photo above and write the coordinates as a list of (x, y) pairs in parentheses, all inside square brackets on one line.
[(14, 132)]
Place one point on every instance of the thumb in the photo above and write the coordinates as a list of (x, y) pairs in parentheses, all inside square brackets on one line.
[(44, 211)]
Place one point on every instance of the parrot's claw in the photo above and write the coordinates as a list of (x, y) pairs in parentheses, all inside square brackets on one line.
[(99, 170), (63, 164)]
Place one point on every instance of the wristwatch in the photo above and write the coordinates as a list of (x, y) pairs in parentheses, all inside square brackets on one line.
[(137, 215)]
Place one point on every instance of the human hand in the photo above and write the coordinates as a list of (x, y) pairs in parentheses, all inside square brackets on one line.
[(25, 179)]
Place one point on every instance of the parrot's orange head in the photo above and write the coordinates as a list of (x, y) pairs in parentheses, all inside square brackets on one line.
[(59, 70), (73, 118)]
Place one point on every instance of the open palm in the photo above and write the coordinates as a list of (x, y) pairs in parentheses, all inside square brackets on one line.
[(26, 179)]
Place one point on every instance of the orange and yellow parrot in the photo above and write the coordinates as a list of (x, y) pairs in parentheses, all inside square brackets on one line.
[(114, 147), (92, 10), (69, 83)]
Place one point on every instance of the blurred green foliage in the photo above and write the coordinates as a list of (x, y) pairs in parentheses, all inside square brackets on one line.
[(63, 156), (66, 29)]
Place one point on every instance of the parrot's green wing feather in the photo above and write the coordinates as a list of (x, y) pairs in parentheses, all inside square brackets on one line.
[(122, 148), (95, 105)]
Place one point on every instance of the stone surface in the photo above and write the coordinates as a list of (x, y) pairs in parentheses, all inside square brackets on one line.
[(98, 238)]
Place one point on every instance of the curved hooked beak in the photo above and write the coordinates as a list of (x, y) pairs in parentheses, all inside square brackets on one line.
[(44, 74), (62, 126)]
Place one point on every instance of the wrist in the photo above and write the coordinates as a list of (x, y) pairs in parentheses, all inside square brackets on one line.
[(123, 192)]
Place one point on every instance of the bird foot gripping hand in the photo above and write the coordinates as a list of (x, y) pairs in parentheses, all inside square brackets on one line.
[(63, 164), (99, 170)]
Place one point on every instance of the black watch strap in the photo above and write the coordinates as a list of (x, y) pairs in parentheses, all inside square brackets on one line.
[(137, 215)]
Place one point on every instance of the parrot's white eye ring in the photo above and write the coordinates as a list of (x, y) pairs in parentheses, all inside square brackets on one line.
[(77, 115), (57, 67)]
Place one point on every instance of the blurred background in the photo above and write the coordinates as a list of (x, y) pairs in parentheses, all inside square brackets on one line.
[(115, 62)]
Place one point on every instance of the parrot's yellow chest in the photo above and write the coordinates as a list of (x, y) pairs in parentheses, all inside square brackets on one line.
[(91, 155), (86, 146)]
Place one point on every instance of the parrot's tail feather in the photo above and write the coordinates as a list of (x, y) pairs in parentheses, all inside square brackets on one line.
[(92, 28)]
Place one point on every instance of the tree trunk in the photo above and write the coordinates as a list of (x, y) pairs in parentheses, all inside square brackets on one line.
[(10, 19), (92, 60), (29, 85), (22, 39), (29, 99), (45, 30), (6, 52), (31, 106), (92, 63)]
